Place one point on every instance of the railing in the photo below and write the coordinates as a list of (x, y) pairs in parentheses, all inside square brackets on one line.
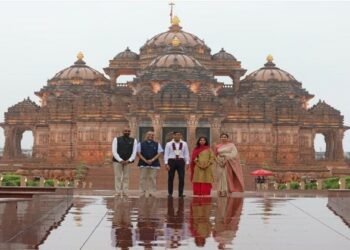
[(228, 86)]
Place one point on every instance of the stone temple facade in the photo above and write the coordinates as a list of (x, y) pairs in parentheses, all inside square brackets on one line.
[(265, 112)]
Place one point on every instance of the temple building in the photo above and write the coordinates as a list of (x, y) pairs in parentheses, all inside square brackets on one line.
[(265, 112)]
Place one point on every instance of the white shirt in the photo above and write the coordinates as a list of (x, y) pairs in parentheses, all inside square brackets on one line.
[(115, 151), (169, 152)]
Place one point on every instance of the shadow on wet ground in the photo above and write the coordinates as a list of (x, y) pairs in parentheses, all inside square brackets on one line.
[(269, 221)]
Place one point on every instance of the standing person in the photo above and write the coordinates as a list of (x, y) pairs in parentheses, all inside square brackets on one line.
[(124, 153), (176, 156), (230, 174), (149, 152), (201, 167)]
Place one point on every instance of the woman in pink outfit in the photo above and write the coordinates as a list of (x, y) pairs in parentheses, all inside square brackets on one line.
[(229, 171)]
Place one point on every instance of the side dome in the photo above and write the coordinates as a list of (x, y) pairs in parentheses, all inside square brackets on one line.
[(79, 73), (127, 54), (222, 55), (270, 73)]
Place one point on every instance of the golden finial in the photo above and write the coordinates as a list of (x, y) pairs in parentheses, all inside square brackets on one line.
[(175, 42), (80, 56), (269, 58), (175, 21)]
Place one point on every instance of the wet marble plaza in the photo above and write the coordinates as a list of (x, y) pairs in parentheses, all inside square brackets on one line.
[(251, 221)]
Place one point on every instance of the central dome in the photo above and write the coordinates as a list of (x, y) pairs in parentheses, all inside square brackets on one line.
[(191, 43), (182, 60), (175, 57), (165, 38)]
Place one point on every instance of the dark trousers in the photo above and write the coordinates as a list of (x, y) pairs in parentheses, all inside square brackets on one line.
[(179, 166)]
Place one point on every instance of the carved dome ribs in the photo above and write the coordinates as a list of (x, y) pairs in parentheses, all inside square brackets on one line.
[(79, 73), (222, 55), (127, 54), (191, 43), (181, 60)]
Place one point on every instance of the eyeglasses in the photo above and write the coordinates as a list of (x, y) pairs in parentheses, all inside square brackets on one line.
[(127, 131)]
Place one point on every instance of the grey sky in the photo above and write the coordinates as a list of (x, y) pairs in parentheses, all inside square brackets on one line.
[(310, 40)]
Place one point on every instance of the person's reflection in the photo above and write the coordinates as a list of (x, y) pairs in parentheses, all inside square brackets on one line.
[(200, 219), (122, 224), (176, 228), (227, 217), (147, 222)]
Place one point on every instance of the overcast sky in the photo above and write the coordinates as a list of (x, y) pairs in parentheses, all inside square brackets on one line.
[(310, 40)]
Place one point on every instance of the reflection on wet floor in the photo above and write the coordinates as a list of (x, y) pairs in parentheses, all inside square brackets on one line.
[(105, 222), (170, 223), (26, 223), (208, 223)]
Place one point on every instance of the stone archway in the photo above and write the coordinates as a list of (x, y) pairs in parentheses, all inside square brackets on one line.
[(27, 143), (334, 143), (320, 146), (13, 140), (227, 80), (123, 79)]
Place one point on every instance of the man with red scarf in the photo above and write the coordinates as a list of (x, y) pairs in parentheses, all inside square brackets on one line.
[(176, 156)]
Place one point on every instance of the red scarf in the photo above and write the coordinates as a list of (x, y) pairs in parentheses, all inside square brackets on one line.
[(195, 153), (174, 148)]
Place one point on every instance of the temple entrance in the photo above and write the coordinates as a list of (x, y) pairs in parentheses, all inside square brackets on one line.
[(27, 143), (320, 147), (168, 134)]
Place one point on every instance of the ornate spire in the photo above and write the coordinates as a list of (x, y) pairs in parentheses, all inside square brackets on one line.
[(175, 21), (80, 57), (269, 60), (175, 42), (171, 10)]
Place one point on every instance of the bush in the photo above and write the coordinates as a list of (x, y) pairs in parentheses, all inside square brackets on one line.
[(282, 186), (49, 183), (347, 181), (331, 183), (61, 184), (311, 185), (80, 172), (10, 179), (294, 185), (32, 183)]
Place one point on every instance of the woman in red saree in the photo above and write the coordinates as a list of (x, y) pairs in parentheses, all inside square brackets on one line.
[(229, 171), (201, 167)]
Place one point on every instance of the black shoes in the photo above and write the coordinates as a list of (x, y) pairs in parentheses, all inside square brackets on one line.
[(182, 196), (170, 196)]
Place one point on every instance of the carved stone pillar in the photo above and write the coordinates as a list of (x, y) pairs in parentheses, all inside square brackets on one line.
[(215, 125), (192, 124), (9, 143), (338, 144), (236, 80), (133, 124), (157, 124)]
